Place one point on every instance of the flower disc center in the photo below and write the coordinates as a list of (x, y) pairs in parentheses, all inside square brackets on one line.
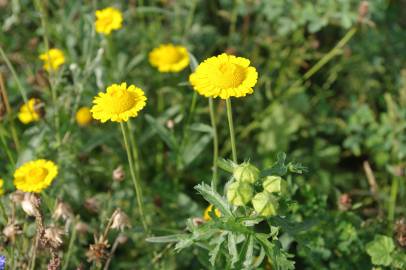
[(228, 75), (121, 101), (37, 174)]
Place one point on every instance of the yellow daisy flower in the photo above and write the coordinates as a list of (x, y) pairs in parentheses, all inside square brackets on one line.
[(52, 59), (1, 186), (107, 20), (169, 58), (29, 112), (35, 176), (118, 103), (83, 116), (206, 215), (224, 76)]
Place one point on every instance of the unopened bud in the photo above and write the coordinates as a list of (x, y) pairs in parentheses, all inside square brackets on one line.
[(265, 204), (170, 124), (275, 184), (239, 193), (119, 174), (92, 204), (122, 239), (246, 172)]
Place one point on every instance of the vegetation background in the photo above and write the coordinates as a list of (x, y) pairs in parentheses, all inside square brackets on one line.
[(331, 94)]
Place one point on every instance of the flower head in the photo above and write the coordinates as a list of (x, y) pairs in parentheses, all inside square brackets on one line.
[(30, 204), (52, 59), (62, 210), (107, 20), (35, 176), (119, 103), (169, 58), (54, 236), (83, 116), (30, 112), (265, 204), (206, 215), (224, 76), (120, 220), (239, 193), (1, 186)]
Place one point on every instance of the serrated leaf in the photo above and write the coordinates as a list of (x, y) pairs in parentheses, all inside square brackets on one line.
[(380, 250), (278, 257), (226, 165), (166, 239), (214, 198), (232, 248), (279, 168), (249, 254), (213, 253)]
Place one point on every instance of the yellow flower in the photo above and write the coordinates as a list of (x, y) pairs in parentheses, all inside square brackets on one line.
[(224, 76), (35, 176), (83, 116), (29, 112), (52, 59), (118, 103), (107, 20), (206, 215), (169, 58), (1, 186)]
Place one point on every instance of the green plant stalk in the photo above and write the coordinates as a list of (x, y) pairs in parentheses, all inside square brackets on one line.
[(392, 200), (135, 180), (233, 22), (231, 127), (44, 25), (214, 182), (70, 248), (134, 149), (6, 148)]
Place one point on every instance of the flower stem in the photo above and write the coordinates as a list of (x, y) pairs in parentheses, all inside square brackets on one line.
[(231, 126), (134, 178), (71, 243), (392, 201), (215, 144)]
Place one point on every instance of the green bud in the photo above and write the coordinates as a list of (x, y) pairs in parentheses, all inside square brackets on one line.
[(246, 172), (239, 193), (275, 184), (265, 204)]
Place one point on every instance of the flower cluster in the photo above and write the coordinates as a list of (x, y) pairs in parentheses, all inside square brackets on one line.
[(30, 111), (107, 20), (52, 59)]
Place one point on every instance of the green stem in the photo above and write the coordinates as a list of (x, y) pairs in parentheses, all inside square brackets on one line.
[(6, 148), (231, 127), (392, 201), (70, 248), (13, 72), (135, 180), (215, 145)]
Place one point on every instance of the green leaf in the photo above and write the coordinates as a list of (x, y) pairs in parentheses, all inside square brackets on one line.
[(226, 165), (166, 239), (380, 250), (278, 257), (279, 168), (232, 248), (217, 241), (214, 198), (249, 254), (164, 133), (195, 149)]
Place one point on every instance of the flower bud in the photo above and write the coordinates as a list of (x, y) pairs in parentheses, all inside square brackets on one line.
[(239, 193), (265, 204), (275, 184), (246, 172)]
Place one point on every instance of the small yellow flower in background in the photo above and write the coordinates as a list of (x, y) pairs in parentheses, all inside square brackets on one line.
[(118, 103), (83, 116), (29, 112), (224, 76), (35, 176), (206, 215), (169, 58), (107, 20), (1, 186), (52, 59)]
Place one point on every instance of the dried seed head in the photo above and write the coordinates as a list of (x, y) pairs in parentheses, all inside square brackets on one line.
[(17, 196), (62, 210), (11, 230), (120, 220), (122, 239), (98, 252), (344, 202), (92, 204), (363, 9), (119, 174), (54, 236), (400, 230), (82, 227), (30, 204)]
